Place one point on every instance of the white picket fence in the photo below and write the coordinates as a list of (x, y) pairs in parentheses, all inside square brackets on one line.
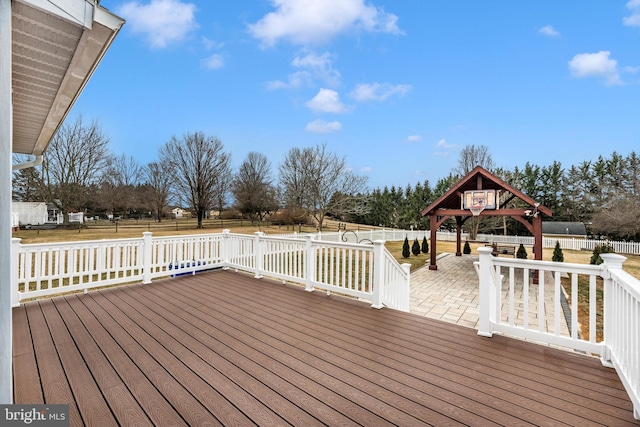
[(525, 298), (363, 271), (391, 235), (571, 243)]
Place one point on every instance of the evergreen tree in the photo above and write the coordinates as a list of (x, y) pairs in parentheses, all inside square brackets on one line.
[(406, 252), (467, 248), (522, 252), (415, 248), (558, 256), (600, 249), (425, 245)]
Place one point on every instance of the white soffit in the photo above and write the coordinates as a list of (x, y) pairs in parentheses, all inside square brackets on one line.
[(56, 47)]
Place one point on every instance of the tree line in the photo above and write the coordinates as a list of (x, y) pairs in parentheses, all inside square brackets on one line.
[(79, 173), (604, 194)]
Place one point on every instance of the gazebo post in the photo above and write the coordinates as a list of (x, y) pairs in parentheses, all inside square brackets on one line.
[(433, 220), (458, 236), (537, 245)]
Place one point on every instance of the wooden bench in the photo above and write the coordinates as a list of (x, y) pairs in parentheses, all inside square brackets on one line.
[(503, 250)]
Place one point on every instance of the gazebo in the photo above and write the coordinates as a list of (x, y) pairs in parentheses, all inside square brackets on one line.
[(479, 193)]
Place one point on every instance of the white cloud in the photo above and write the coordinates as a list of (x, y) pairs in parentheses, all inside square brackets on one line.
[(595, 65), (414, 138), (633, 20), (295, 80), (378, 92), (366, 169), (214, 62), (441, 153), (312, 60), (442, 143), (320, 126), (548, 30), (327, 101), (161, 21), (306, 22), (315, 67), (211, 44), (320, 65)]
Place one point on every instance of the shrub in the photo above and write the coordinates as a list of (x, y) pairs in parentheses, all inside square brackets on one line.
[(522, 252), (425, 245), (558, 256), (600, 249), (467, 248), (415, 248), (406, 253)]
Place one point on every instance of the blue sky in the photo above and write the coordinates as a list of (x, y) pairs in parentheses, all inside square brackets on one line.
[(397, 87)]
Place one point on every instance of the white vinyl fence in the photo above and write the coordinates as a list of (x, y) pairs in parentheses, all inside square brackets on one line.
[(391, 235), (527, 299), (364, 271)]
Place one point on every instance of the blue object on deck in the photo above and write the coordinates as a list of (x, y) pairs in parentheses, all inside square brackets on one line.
[(185, 264)]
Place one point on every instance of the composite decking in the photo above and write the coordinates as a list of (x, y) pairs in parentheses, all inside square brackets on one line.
[(223, 348)]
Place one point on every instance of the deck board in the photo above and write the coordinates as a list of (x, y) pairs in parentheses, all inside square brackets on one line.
[(224, 348)]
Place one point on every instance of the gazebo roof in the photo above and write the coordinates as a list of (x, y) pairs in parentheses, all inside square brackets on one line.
[(478, 179)]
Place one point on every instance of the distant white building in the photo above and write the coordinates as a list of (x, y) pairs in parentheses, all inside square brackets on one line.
[(29, 213), (180, 213), (25, 214)]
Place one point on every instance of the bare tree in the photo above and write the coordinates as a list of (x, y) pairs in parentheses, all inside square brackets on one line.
[(201, 168), (223, 184), (25, 183), (120, 179), (320, 182), (76, 158), (618, 219), (158, 178), (472, 156), (253, 189)]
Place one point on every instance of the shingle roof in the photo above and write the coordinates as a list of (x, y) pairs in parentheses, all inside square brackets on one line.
[(564, 227)]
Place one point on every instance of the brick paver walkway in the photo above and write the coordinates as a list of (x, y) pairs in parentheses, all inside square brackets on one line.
[(450, 294)]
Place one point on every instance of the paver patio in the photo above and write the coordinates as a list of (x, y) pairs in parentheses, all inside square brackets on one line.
[(450, 294)]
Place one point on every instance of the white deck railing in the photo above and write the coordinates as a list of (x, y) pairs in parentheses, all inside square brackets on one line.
[(361, 271), (527, 299)]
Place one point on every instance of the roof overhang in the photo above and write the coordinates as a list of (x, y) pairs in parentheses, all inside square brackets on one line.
[(56, 46)]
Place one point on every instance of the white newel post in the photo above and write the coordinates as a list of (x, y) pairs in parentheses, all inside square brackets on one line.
[(258, 253), (15, 262), (406, 296), (485, 292), (225, 248), (147, 244), (378, 274), (610, 262), (310, 262)]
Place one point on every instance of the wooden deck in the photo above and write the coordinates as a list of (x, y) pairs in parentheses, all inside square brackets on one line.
[(223, 348)]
